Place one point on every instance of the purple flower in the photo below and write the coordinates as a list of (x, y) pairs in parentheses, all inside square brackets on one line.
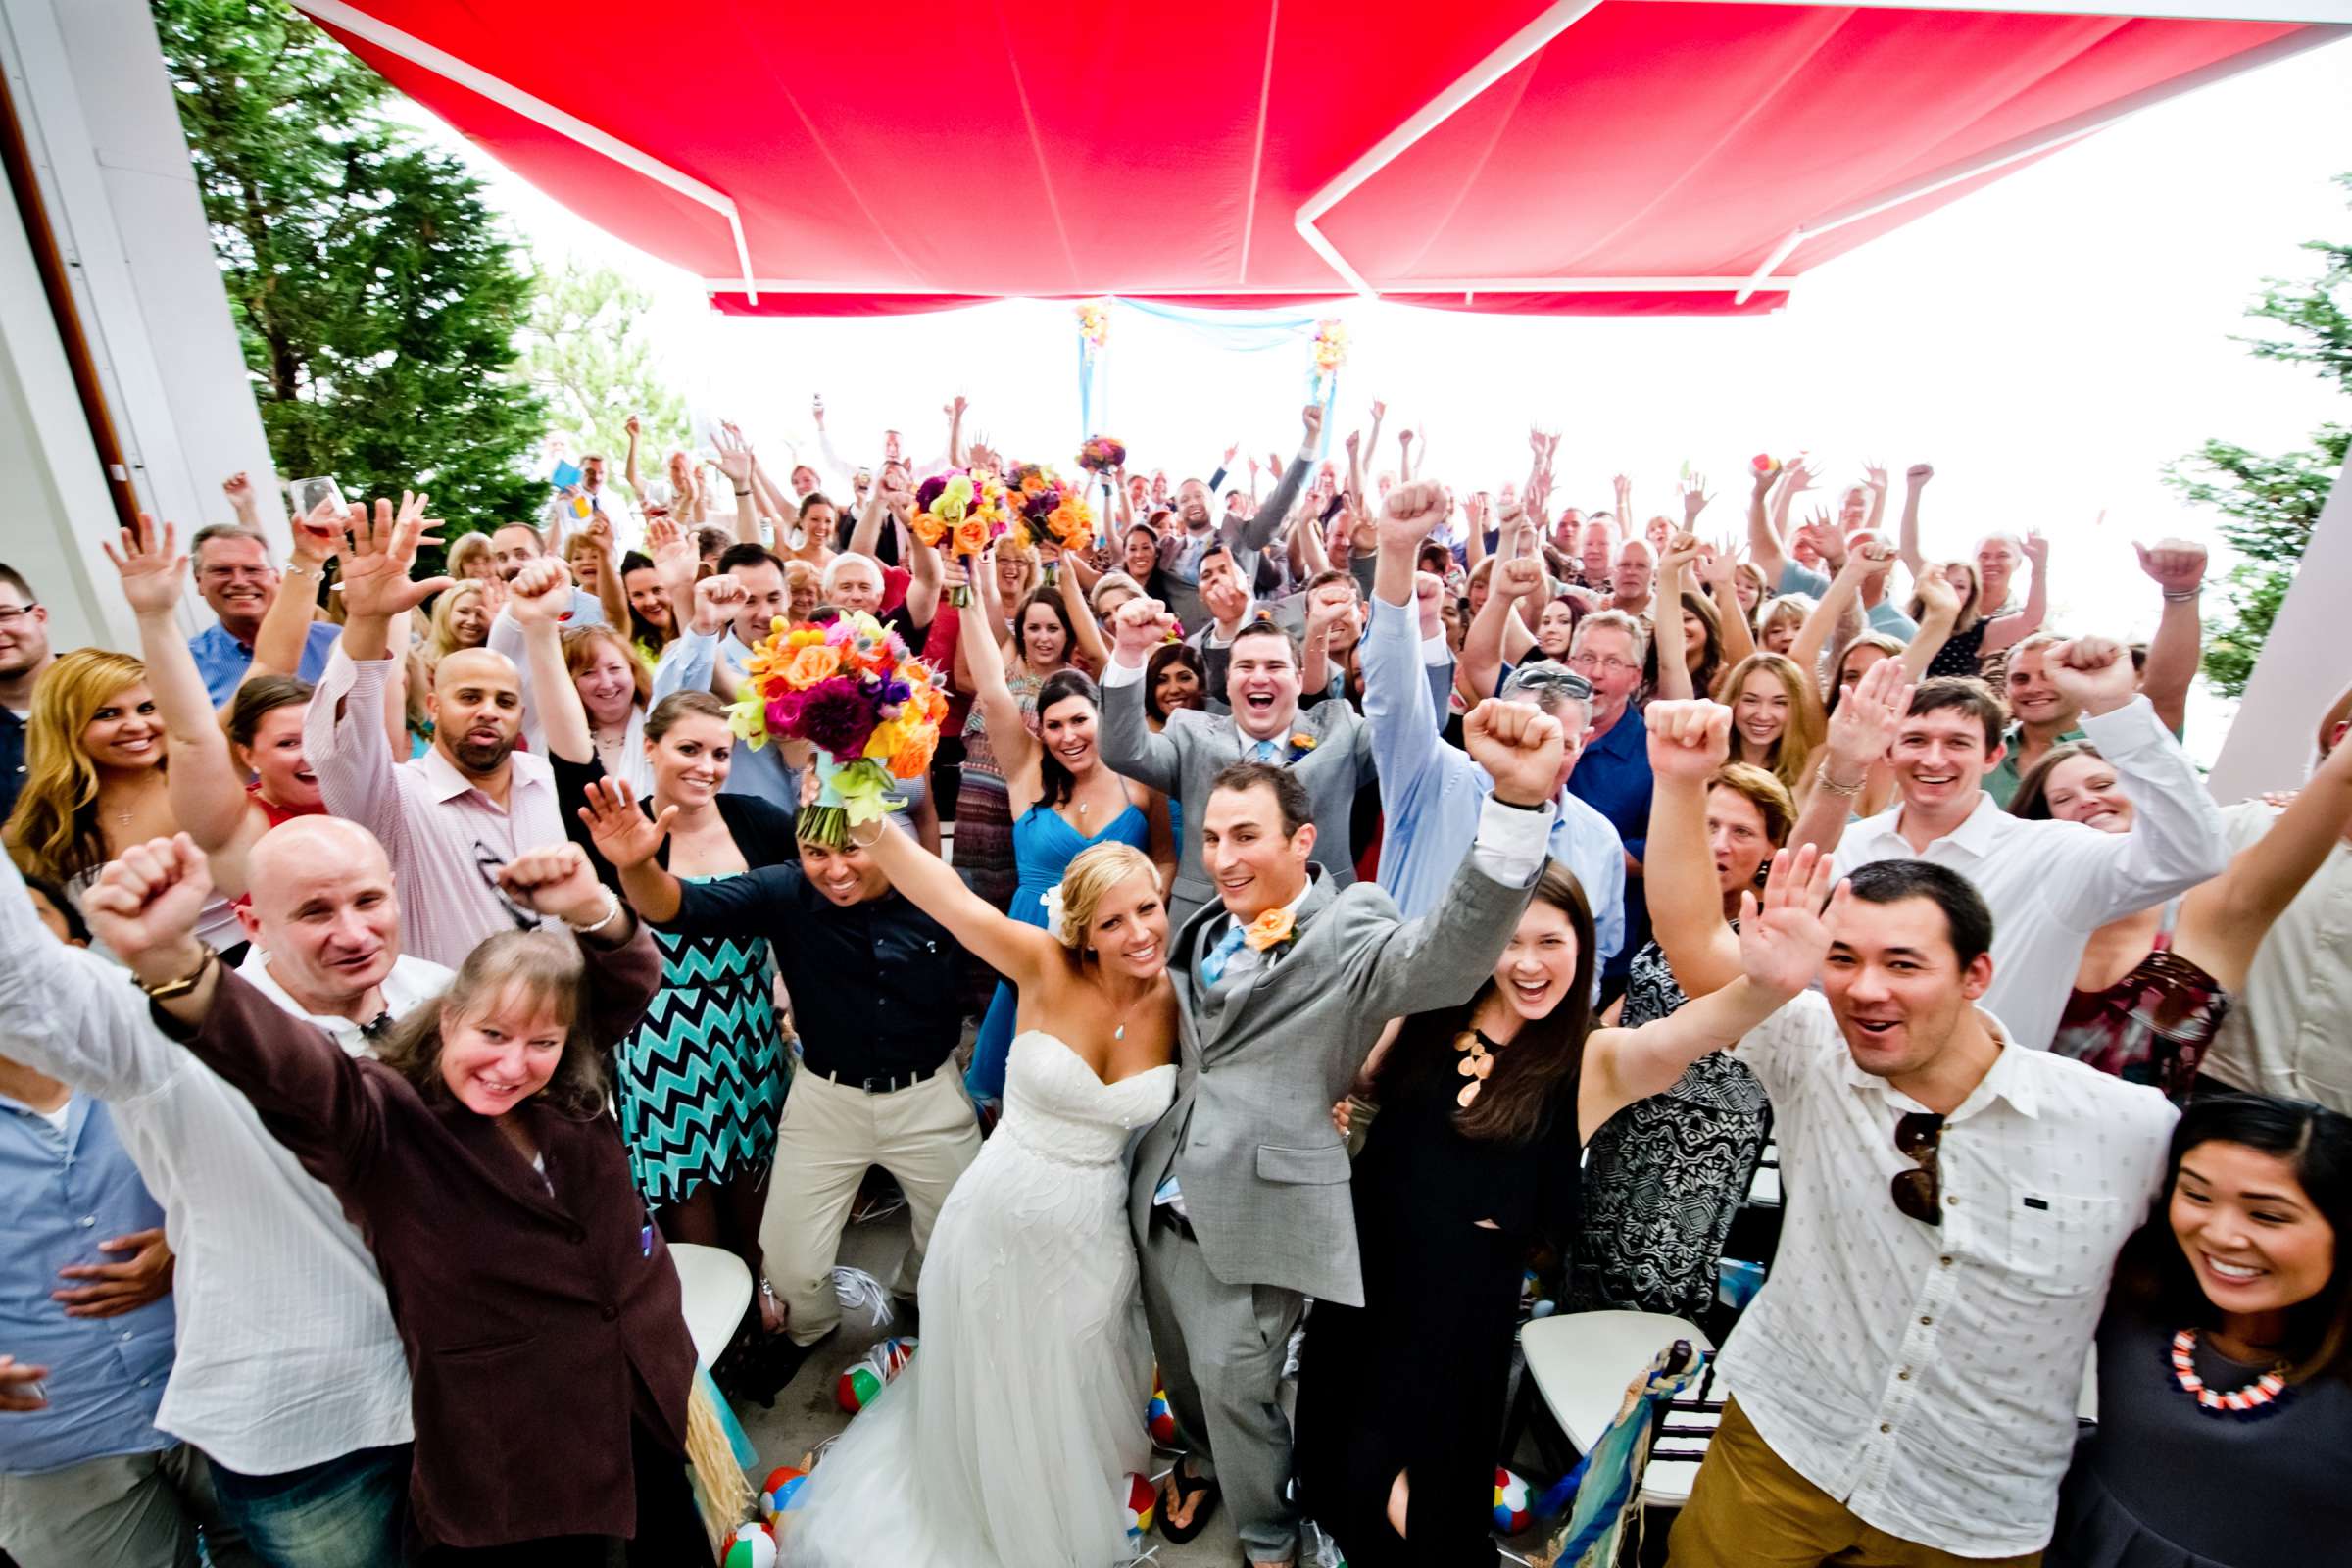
[(929, 491), (838, 718)]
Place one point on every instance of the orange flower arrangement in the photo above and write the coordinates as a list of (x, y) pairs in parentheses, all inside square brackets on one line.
[(1269, 930)]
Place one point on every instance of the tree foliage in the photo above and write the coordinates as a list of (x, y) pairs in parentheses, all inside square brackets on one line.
[(376, 295), (2272, 503), (587, 355)]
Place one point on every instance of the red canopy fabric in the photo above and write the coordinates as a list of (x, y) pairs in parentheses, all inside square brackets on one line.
[(1651, 158)]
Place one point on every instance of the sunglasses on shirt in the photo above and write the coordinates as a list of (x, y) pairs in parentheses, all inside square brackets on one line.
[(1919, 1192)]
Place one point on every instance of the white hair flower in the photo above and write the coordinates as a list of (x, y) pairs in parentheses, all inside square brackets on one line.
[(1052, 899)]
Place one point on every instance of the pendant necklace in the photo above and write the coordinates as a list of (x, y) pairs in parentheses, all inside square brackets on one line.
[(2258, 1398)]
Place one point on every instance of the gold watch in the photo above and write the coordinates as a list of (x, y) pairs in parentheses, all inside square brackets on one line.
[(171, 989)]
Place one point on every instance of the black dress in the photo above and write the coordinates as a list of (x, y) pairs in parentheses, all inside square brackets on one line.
[(2162, 1483), (1416, 1378)]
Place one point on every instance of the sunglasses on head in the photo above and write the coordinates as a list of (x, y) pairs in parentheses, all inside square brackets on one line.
[(1919, 1192)]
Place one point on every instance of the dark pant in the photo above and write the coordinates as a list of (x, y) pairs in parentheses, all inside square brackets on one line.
[(670, 1527), (345, 1512)]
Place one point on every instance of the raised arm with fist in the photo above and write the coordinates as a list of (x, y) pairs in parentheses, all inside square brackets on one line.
[(1689, 739), (1521, 748), (144, 908), (1139, 627), (2093, 672)]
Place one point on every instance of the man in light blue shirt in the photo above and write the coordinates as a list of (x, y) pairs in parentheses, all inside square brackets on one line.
[(1430, 791), (234, 574)]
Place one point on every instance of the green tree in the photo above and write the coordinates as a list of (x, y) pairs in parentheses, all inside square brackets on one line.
[(2272, 503), (588, 356), (376, 296)]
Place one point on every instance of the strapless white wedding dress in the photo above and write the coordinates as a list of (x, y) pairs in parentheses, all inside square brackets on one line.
[(1004, 1443)]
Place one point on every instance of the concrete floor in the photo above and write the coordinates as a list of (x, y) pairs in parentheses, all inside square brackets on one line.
[(805, 1415)]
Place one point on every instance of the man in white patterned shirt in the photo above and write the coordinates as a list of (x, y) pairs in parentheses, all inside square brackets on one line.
[(289, 1376), (1904, 1384)]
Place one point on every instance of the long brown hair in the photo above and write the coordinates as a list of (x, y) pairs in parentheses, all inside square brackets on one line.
[(1519, 1100), (547, 970)]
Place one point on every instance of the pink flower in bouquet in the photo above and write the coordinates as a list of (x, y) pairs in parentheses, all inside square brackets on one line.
[(837, 718), (1101, 454)]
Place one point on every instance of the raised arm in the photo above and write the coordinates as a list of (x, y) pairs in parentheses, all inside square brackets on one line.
[(984, 662), (285, 631), (923, 583), (1260, 531), (2176, 840), (1779, 949), (206, 787), (1938, 613), (1019, 953), (2006, 631), (344, 736), (1843, 593), (1672, 638), (735, 461), (628, 462), (1398, 702), (2178, 567), (1873, 480), (1074, 589), (1687, 742), (1763, 539), (2235, 909), (1860, 733), (1719, 570), (542, 591), (1915, 480), (1129, 747)]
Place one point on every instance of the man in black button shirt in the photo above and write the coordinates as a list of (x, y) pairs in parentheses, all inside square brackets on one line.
[(24, 656), (872, 989)]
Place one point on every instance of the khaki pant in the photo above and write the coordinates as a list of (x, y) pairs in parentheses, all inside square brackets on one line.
[(127, 1510), (1749, 1510), (924, 1136)]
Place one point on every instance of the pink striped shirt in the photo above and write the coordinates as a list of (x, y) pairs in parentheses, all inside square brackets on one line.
[(446, 838)]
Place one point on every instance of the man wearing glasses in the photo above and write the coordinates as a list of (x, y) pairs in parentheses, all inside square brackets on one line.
[(24, 655), (1613, 773), (1904, 1385)]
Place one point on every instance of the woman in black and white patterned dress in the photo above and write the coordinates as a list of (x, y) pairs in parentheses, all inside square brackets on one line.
[(1664, 1177)]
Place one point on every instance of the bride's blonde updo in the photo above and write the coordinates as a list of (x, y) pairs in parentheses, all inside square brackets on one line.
[(1070, 906)]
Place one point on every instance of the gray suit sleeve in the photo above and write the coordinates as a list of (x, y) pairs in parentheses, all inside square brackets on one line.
[(1129, 747), (1260, 531)]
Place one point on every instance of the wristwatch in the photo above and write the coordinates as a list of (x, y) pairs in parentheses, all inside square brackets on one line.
[(170, 989)]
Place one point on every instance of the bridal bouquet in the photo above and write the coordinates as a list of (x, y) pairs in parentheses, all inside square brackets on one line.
[(1101, 454), (970, 509), (1048, 507), (871, 710), (1331, 345)]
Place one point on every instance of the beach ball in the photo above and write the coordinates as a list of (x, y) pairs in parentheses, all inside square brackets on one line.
[(1141, 1501), (1511, 1499), (1159, 1419), (776, 1491), (754, 1547), (857, 1387)]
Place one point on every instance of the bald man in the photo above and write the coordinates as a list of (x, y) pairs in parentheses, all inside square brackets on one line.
[(324, 923), (448, 820)]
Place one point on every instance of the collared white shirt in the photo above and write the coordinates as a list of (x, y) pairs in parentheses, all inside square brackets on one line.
[(1927, 1376), (287, 1355), (413, 982), (2051, 884), (2290, 1030), (445, 838)]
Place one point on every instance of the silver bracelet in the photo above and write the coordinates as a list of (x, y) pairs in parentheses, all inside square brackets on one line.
[(2183, 596), (297, 568), (612, 914), (1850, 791)]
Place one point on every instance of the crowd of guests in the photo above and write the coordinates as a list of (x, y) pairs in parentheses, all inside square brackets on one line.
[(389, 972)]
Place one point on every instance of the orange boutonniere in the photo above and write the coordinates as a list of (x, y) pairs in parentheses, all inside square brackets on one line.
[(1301, 742), (1268, 931)]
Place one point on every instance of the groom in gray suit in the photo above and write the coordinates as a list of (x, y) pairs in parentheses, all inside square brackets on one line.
[(1328, 747), (1240, 1199)]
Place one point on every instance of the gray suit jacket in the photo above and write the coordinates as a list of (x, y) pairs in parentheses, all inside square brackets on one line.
[(1265, 1056), (1182, 759)]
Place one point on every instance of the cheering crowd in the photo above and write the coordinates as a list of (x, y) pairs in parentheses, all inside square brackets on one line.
[(1333, 897)]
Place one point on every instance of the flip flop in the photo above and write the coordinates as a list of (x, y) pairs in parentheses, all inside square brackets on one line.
[(1188, 1488)]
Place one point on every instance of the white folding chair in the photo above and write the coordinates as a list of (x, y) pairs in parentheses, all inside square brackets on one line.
[(717, 1287), (1581, 1362)]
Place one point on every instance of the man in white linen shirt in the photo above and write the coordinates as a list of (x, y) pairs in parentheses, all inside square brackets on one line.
[(2290, 1032), (2049, 884), (472, 802), (1904, 1387), (289, 1376)]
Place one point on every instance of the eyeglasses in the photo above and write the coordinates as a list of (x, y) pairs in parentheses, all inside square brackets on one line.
[(1613, 665), (487, 861), (1919, 1193)]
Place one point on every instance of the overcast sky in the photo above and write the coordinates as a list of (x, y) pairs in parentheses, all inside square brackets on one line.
[(2049, 343)]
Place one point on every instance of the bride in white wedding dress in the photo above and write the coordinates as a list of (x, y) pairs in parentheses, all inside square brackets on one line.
[(1004, 1443)]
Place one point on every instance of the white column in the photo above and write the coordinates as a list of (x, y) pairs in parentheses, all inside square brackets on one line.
[(2302, 668), (96, 108)]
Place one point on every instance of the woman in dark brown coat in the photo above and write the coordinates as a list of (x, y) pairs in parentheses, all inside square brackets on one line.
[(549, 1361)]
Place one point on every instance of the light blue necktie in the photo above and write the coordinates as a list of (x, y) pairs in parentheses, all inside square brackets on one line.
[(1266, 751), (1213, 966)]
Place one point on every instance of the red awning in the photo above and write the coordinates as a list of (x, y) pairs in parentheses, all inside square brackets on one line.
[(1624, 157)]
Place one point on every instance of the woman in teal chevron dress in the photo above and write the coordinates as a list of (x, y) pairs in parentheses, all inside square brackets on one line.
[(700, 1082)]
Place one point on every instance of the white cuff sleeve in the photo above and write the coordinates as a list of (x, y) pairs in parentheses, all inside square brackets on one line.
[(1116, 673), (1437, 649), (1512, 842)]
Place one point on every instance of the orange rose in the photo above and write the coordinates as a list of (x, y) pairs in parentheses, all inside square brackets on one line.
[(928, 528), (1269, 930), (971, 537), (809, 665)]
